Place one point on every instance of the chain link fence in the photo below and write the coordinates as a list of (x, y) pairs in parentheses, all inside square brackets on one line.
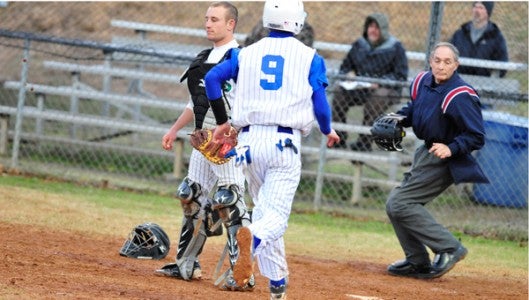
[(89, 88)]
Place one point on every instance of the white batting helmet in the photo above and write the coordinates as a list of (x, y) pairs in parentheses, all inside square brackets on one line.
[(285, 15)]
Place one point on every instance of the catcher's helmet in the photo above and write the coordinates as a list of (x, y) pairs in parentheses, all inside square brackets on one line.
[(388, 133), (147, 241), (285, 15)]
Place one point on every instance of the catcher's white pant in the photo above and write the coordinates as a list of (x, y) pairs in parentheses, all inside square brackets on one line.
[(273, 177), (207, 174)]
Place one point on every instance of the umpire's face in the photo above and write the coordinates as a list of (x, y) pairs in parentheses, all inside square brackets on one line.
[(219, 28), (443, 63)]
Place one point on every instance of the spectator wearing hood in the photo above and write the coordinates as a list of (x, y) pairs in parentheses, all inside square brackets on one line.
[(480, 39), (376, 54)]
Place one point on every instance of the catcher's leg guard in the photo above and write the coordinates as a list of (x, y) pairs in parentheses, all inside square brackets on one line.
[(213, 221), (188, 193), (229, 202), (234, 214), (192, 240), (193, 233)]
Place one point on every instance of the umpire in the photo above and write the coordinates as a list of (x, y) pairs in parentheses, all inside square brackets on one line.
[(445, 112)]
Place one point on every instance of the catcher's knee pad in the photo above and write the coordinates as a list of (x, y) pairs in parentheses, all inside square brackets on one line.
[(192, 240), (231, 207), (188, 193)]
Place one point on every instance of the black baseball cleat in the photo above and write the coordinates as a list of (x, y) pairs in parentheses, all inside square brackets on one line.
[(230, 284), (405, 268), (445, 261), (278, 292), (172, 270)]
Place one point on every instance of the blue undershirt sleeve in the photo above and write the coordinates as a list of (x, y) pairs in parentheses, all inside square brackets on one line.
[(318, 81), (322, 110), (214, 80), (221, 73)]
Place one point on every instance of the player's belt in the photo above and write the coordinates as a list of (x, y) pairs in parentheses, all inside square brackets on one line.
[(279, 129)]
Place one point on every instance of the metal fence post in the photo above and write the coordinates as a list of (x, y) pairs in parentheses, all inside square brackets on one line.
[(4, 132), (357, 182), (319, 175), (178, 158), (107, 87), (107, 84), (20, 105), (392, 174), (39, 121), (74, 104), (436, 20)]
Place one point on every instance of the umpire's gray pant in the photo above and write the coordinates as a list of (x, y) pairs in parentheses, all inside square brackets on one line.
[(414, 226)]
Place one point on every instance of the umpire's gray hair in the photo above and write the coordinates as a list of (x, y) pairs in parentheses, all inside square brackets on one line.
[(449, 46)]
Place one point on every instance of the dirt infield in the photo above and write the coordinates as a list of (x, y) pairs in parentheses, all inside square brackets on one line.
[(39, 263)]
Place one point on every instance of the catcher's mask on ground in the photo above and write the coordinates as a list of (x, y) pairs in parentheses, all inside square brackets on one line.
[(146, 241)]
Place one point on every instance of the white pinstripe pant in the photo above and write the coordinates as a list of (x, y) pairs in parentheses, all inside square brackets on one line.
[(273, 178), (207, 173)]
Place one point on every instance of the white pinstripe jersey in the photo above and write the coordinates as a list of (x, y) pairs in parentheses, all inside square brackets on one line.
[(273, 85)]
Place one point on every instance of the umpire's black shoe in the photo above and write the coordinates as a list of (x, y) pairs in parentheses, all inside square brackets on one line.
[(445, 261), (405, 268)]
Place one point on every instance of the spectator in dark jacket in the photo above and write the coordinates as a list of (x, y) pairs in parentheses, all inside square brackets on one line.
[(480, 39), (376, 54)]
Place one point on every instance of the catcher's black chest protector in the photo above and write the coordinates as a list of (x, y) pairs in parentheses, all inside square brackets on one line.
[(196, 85), (195, 74)]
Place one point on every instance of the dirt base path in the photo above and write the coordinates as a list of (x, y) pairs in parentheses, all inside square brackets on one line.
[(37, 263)]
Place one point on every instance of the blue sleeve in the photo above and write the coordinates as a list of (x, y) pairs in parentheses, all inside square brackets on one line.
[(322, 110), (318, 81), (221, 73), (318, 73), (406, 110)]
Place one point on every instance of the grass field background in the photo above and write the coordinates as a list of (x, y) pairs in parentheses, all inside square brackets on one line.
[(96, 211)]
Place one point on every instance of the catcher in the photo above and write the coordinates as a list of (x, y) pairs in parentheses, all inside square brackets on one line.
[(206, 166)]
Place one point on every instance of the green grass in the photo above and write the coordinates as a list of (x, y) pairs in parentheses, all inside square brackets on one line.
[(92, 210), (103, 160)]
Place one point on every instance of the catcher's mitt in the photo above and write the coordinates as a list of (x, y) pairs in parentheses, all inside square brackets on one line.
[(202, 140), (388, 133)]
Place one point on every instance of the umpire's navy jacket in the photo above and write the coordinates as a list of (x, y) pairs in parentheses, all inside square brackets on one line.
[(449, 113)]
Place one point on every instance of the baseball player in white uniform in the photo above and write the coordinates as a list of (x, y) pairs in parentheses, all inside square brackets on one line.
[(193, 192), (280, 91)]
